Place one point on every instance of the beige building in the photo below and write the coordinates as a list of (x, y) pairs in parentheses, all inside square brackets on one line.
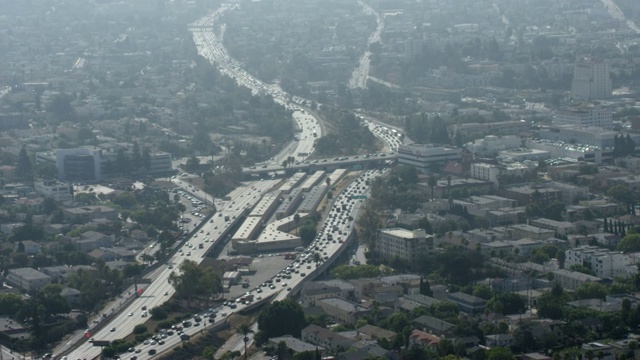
[(404, 244), (28, 279), (342, 311)]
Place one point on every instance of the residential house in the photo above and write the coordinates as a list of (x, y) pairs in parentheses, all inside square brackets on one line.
[(296, 345), (88, 213), (342, 311), (501, 340), (376, 333), (467, 303), (409, 282), (433, 325), (31, 247), (311, 292), (71, 295), (422, 338), (323, 337)]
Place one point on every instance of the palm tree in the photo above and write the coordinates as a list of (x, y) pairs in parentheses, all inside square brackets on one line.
[(432, 182), (316, 258), (244, 330)]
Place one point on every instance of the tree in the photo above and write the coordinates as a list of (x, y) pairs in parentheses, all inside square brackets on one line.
[(432, 182), (47, 171), (507, 304), (192, 281), (193, 162), (621, 193), (500, 353), (425, 288), (23, 167), (483, 291), (282, 318), (244, 330), (629, 243), (591, 290)]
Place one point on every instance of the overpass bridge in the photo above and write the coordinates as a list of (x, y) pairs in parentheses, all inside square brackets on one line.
[(354, 163)]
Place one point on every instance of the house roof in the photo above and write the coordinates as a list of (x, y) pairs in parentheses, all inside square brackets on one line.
[(424, 338), (377, 332), (433, 323)]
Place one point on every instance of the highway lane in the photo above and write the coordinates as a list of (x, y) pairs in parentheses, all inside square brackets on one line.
[(213, 50), (360, 74), (153, 295)]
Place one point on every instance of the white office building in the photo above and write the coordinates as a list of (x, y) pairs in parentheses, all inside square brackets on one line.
[(591, 80), (588, 115), (425, 157), (58, 191)]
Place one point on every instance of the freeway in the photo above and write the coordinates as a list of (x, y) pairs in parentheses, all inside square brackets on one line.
[(360, 74), (160, 290), (213, 50)]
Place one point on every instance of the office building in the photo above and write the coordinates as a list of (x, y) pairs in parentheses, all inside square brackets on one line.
[(427, 157), (591, 80), (584, 115), (58, 191)]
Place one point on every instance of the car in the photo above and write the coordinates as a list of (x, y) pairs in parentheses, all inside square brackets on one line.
[(151, 352), (166, 293), (161, 342), (146, 342), (138, 351), (131, 349), (113, 329), (153, 342)]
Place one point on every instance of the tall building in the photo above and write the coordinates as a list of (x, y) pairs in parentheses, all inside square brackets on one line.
[(591, 80), (404, 244)]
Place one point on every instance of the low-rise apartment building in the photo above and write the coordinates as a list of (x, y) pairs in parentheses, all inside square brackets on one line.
[(28, 279), (602, 262), (408, 245)]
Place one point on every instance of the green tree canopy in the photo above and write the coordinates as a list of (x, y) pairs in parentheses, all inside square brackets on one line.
[(192, 281), (629, 243), (282, 318)]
